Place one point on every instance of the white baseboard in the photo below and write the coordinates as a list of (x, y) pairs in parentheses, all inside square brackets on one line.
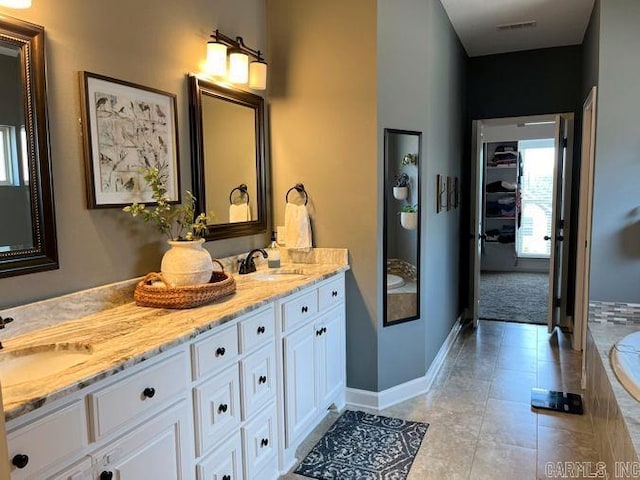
[(357, 398)]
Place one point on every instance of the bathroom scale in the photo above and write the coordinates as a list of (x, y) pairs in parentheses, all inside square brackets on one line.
[(557, 401)]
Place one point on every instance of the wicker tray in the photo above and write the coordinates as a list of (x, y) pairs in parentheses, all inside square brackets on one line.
[(147, 295)]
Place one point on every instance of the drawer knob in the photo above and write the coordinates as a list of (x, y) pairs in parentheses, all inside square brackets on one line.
[(262, 379), (264, 442), (261, 330), (223, 408), (20, 460), (318, 332), (305, 309), (226, 477), (106, 475), (334, 293), (149, 392), (324, 329), (220, 352)]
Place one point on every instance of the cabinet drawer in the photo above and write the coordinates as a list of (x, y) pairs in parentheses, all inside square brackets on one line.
[(78, 471), (258, 380), (257, 330), (217, 405), (331, 294), (295, 312), (260, 442), (216, 351), (48, 439), (132, 396), (225, 463)]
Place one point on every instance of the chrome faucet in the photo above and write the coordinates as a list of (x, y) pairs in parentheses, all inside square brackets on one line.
[(248, 265), (3, 322)]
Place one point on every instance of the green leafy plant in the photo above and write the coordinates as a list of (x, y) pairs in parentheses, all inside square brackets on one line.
[(408, 208), (177, 222)]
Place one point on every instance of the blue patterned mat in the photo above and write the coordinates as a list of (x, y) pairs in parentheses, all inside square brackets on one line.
[(361, 446)]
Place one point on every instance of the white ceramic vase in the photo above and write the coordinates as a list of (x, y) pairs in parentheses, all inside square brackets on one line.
[(409, 220), (400, 193), (186, 263)]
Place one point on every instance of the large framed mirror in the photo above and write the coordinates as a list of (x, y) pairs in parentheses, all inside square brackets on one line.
[(401, 233), (227, 145), (27, 218)]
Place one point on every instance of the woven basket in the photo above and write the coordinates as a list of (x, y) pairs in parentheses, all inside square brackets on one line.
[(190, 296)]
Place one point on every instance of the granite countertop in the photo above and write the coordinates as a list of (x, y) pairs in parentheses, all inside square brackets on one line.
[(605, 335), (125, 335)]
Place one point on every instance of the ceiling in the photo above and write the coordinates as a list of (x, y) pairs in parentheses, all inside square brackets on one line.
[(558, 23)]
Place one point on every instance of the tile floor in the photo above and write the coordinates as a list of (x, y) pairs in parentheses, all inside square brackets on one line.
[(481, 423)]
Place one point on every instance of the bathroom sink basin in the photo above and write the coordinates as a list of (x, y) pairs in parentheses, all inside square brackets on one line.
[(33, 363), (279, 275)]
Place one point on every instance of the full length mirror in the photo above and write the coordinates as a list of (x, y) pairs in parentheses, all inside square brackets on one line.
[(401, 238), (27, 222), (227, 130)]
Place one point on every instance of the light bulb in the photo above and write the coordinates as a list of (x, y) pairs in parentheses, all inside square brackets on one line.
[(16, 3), (216, 63), (258, 75), (238, 67)]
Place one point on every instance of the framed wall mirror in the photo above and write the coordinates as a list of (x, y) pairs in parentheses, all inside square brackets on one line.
[(227, 145), (27, 218), (401, 233)]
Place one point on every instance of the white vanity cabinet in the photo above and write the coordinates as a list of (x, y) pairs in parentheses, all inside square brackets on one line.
[(235, 393), (312, 336), (232, 404)]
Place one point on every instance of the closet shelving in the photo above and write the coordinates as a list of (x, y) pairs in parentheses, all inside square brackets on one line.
[(500, 206)]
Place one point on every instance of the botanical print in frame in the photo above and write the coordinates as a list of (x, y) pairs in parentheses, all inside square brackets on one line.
[(126, 128)]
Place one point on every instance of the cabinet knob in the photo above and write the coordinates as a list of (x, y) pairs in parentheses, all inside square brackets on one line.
[(264, 442), (226, 477), (149, 392), (261, 329), (106, 475), (20, 460), (220, 352), (318, 332), (305, 309), (334, 293), (324, 329), (223, 408), (262, 379)]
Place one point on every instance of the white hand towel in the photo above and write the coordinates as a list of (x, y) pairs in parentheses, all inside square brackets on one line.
[(297, 227), (239, 213)]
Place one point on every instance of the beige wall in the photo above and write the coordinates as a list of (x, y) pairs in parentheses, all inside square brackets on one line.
[(152, 43), (323, 134)]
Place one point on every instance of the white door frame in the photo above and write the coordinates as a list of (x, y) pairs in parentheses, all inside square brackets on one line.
[(585, 212)]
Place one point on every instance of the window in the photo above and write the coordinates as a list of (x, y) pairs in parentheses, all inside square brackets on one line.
[(536, 197)]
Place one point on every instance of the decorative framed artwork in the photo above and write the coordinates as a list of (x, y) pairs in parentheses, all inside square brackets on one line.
[(441, 193), (127, 128)]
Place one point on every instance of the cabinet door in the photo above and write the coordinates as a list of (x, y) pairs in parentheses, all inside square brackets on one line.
[(329, 356), (224, 463), (299, 388), (160, 449)]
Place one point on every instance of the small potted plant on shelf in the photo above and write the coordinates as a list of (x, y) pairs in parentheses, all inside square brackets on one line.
[(186, 262), (409, 216), (401, 186)]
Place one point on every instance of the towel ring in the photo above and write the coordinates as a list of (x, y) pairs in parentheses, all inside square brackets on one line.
[(298, 187), (242, 188)]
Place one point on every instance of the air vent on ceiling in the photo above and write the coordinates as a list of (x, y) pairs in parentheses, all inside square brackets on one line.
[(517, 25)]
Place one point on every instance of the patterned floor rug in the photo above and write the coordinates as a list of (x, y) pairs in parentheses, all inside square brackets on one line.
[(514, 296), (361, 446)]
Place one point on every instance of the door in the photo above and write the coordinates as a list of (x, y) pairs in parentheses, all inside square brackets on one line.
[(476, 227), (557, 235), (300, 375), (585, 207), (329, 353)]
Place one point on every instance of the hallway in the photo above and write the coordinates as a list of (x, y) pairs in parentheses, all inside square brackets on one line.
[(481, 422)]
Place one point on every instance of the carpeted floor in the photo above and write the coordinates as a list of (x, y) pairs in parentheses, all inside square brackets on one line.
[(514, 296)]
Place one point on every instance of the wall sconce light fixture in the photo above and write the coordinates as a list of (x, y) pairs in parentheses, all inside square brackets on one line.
[(239, 70), (15, 3)]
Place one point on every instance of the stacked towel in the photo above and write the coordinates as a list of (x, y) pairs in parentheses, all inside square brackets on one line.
[(239, 213), (297, 227)]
